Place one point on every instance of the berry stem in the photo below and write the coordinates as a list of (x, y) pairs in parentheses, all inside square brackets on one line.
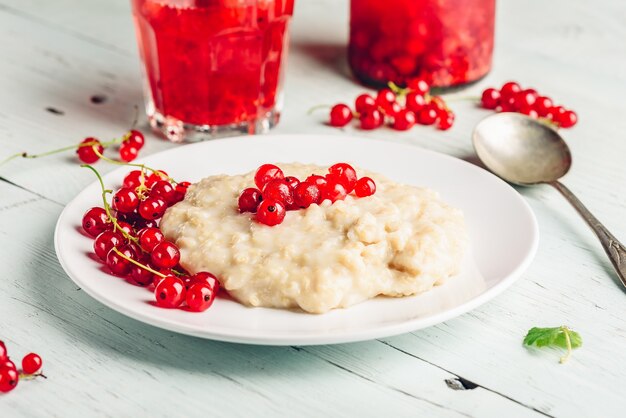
[(568, 343), (26, 376), (138, 264), (107, 208), (317, 107), (59, 150), (143, 167)]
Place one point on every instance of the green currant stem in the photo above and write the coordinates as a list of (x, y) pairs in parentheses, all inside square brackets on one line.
[(568, 343), (400, 91), (141, 166), (463, 99), (107, 208), (138, 264), (59, 150), (317, 107), (27, 376)]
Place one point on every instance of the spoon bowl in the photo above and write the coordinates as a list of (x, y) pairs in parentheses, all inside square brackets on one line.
[(524, 151), (521, 150)]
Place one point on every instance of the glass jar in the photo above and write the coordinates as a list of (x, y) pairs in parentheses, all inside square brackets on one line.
[(212, 67), (446, 42)]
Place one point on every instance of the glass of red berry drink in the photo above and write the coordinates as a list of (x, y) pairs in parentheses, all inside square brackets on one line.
[(446, 42), (212, 67)]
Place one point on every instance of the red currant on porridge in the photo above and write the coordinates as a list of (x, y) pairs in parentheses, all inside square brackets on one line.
[(267, 173), (271, 212)]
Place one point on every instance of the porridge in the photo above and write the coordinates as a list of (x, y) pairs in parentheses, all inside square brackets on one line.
[(401, 241)]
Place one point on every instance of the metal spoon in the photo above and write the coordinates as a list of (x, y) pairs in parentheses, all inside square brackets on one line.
[(526, 152)]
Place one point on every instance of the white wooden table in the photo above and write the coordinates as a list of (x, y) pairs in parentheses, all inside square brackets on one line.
[(55, 55)]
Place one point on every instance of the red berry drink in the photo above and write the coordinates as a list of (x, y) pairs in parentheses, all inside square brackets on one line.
[(445, 42), (212, 67)]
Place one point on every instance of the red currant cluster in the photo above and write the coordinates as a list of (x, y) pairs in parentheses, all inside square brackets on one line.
[(10, 376), (401, 108), (90, 149), (512, 98), (129, 242), (276, 194)]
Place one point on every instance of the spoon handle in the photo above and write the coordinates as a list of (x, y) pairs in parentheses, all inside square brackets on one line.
[(614, 249)]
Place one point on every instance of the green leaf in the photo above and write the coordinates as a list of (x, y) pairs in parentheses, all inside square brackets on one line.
[(562, 337)]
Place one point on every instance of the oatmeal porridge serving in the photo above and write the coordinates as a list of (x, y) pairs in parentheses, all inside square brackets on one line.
[(400, 241)]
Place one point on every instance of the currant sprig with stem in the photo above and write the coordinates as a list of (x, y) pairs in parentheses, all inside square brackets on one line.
[(107, 207), (145, 267), (142, 167), (94, 144)]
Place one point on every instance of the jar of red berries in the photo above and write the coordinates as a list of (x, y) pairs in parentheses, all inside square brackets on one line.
[(448, 42)]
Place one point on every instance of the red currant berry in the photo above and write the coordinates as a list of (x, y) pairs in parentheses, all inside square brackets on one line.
[(334, 191), (371, 119), (95, 221), (319, 181), (292, 182), (340, 115), (126, 228), (508, 104), (7, 364), (438, 103), (208, 279), (118, 264), (140, 275), (125, 200), (199, 297), (181, 190), (133, 179), (490, 99), (86, 153), (524, 99), (404, 120), (156, 176), (393, 109), (271, 212), (427, 116), (364, 102), (136, 139), (4, 355), (278, 190), (365, 187), (567, 119), (267, 173), (306, 194), (419, 85), (555, 112), (249, 200), (156, 279), (152, 208), (445, 120), (31, 363), (105, 241), (165, 255), (346, 175), (415, 101), (385, 98), (529, 111), (508, 90), (542, 105), (8, 379), (170, 292), (128, 152), (149, 238), (164, 190)]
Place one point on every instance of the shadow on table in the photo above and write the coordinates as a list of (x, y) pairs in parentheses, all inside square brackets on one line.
[(325, 55)]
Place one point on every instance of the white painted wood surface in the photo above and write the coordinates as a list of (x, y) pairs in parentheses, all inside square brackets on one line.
[(58, 54)]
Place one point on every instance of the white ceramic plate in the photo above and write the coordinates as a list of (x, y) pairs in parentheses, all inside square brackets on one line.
[(502, 228)]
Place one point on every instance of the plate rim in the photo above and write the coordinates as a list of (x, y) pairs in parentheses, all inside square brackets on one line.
[(353, 336)]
